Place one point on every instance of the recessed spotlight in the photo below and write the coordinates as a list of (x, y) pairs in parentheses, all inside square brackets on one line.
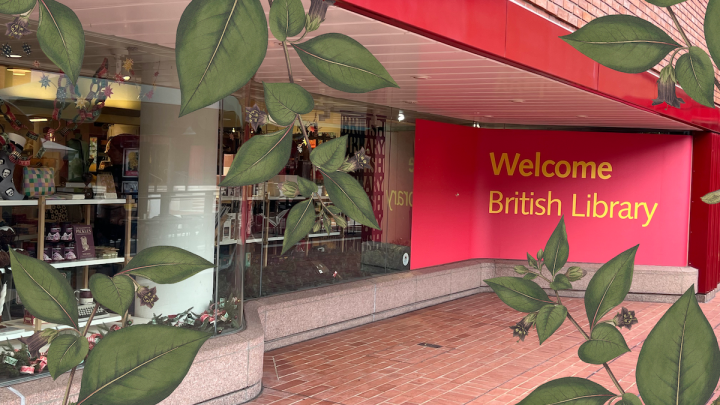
[(299, 80), (38, 119), (401, 116), (488, 116), (517, 100), (582, 116), (15, 56), (126, 78), (476, 125), (421, 77)]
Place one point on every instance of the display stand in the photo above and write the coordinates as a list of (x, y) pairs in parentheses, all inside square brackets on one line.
[(42, 203)]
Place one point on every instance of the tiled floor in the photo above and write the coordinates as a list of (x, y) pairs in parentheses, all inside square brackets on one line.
[(479, 361)]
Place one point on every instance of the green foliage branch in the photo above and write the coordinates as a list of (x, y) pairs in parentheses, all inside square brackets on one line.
[(679, 362), (119, 368), (631, 44), (336, 60)]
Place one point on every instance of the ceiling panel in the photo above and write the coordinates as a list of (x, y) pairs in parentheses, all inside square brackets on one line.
[(460, 84)]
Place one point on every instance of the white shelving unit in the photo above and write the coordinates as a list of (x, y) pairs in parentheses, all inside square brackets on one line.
[(20, 329), (88, 262)]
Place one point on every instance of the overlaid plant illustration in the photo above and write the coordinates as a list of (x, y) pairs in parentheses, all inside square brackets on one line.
[(121, 366), (630, 44), (220, 46), (679, 362)]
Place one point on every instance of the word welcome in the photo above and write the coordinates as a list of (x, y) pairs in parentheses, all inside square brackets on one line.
[(594, 208), (549, 168)]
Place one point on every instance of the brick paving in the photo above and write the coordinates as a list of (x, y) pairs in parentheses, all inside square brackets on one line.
[(479, 361)]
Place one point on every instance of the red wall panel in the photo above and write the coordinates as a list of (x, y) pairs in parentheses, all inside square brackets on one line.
[(442, 231), (455, 218), (704, 250)]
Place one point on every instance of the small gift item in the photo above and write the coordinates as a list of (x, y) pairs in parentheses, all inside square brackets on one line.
[(57, 253), (47, 254), (38, 181), (53, 233), (70, 251), (67, 231), (27, 370)]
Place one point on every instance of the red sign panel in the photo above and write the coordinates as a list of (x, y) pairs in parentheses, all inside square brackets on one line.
[(500, 193)]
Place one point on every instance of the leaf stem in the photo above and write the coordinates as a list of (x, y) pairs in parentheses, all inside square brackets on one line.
[(72, 372), (304, 131), (607, 367), (287, 60), (677, 25)]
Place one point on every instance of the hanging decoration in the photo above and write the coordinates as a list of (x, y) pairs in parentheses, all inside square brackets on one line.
[(6, 50), (27, 49)]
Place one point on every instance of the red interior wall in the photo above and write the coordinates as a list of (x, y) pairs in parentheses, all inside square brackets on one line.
[(454, 177), (444, 178), (704, 252)]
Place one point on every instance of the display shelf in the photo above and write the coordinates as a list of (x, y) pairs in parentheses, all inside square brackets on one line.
[(34, 203), (21, 329), (87, 262), (93, 201), (276, 238)]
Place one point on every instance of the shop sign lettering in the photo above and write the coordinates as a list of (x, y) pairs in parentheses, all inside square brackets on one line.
[(527, 202)]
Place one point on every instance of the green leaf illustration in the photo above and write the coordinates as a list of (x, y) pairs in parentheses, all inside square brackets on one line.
[(152, 359), (287, 19), (115, 294), (61, 37), (629, 399), (519, 294), (530, 276), (16, 6), (665, 3), (712, 29), (609, 286), (531, 261), (343, 64), (166, 264), (624, 43), (285, 100), (561, 282), (330, 155), (711, 198), (680, 360), (307, 187), (345, 192), (568, 391), (695, 73), (43, 291), (606, 343), (300, 221), (557, 249), (260, 158), (219, 46), (549, 319), (66, 352)]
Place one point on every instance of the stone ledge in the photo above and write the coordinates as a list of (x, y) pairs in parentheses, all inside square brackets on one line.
[(282, 320)]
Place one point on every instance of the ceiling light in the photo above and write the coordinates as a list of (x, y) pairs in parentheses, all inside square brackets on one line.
[(476, 125), (582, 116), (517, 100), (233, 129), (421, 77), (488, 116), (16, 56), (38, 119), (298, 79), (401, 116), (126, 78)]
